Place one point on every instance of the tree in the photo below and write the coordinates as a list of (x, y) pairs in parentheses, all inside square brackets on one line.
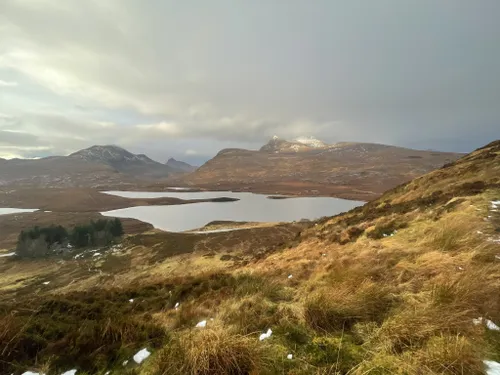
[(117, 228)]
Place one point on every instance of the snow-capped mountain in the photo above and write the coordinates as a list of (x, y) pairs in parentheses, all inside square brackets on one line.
[(311, 142), (276, 144)]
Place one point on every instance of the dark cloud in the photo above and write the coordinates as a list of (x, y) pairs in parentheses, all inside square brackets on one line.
[(204, 74)]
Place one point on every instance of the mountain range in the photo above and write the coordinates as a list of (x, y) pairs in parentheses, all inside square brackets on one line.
[(309, 166), (96, 166), (305, 165)]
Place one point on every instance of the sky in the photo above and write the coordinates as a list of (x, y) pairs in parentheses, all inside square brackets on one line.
[(188, 78)]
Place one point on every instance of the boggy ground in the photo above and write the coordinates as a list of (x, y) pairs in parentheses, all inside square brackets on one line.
[(389, 288)]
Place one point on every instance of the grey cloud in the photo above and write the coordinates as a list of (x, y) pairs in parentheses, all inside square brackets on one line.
[(11, 138), (422, 74), (7, 83)]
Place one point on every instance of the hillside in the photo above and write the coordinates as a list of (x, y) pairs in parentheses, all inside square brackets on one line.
[(97, 166), (407, 284), (347, 170)]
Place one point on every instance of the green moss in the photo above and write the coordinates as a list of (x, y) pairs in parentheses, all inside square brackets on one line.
[(341, 352)]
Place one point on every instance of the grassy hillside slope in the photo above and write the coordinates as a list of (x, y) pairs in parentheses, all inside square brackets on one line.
[(394, 287)]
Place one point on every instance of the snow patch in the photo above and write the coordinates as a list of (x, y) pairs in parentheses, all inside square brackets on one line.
[(489, 324), (266, 335), (289, 356), (290, 276), (202, 324), (7, 255), (492, 326), (310, 141), (125, 363), (32, 373), (46, 283), (141, 356), (70, 372), (131, 300), (177, 306), (492, 367)]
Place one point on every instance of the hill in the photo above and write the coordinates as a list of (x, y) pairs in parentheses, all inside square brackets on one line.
[(180, 165), (407, 284), (97, 166), (347, 170)]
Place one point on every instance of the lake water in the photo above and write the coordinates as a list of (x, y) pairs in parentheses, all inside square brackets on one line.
[(250, 207), (7, 211)]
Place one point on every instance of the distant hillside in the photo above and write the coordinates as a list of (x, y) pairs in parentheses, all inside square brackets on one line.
[(180, 165), (309, 166), (97, 166)]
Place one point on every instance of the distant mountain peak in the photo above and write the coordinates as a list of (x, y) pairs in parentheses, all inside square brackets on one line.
[(299, 144), (180, 165), (311, 141), (124, 161)]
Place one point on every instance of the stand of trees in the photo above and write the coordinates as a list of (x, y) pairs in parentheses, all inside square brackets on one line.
[(39, 242)]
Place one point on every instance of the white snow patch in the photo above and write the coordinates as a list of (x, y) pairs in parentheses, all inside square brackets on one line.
[(310, 141), (289, 356), (492, 326), (202, 324), (492, 367), (125, 363), (107, 373), (177, 305), (489, 324), (70, 372), (46, 283), (97, 255), (266, 335), (131, 300), (290, 276), (7, 255), (31, 373), (141, 356)]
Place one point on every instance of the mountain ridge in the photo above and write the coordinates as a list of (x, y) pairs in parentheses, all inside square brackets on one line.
[(346, 169), (95, 166)]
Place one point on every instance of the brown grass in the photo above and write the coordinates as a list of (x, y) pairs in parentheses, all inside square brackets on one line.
[(210, 351), (341, 306)]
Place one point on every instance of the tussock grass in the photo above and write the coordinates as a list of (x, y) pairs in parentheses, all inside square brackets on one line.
[(454, 232), (454, 355), (210, 351), (343, 305)]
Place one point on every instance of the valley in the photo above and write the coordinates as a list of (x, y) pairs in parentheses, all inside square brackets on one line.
[(412, 272)]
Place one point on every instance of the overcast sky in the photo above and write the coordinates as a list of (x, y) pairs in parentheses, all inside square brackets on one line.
[(187, 78)]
